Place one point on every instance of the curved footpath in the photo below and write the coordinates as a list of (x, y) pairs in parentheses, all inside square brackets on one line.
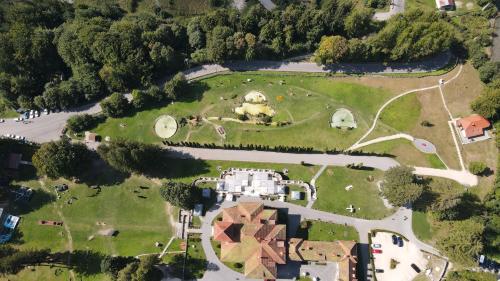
[(399, 222)]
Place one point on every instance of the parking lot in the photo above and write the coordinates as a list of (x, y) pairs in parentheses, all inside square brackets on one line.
[(403, 256)]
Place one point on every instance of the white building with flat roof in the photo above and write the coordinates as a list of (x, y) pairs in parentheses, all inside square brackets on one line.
[(250, 182)]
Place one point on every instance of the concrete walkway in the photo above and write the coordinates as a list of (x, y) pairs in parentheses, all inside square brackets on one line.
[(382, 139), (395, 7), (314, 194)]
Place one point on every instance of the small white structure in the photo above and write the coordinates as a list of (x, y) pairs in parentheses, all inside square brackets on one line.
[(198, 210), (351, 208), (349, 187), (206, 193), (296, 195), (445, 5), (250, 182)]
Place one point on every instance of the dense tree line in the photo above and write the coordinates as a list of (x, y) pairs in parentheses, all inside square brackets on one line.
[(56, 55)]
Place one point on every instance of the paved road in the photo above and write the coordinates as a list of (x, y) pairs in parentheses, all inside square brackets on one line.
[(428, 65), (400, 222), (382, 163), (396, 7), (268, 4), (495, 56)]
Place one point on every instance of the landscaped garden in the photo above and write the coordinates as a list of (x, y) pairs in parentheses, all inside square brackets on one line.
[(303, 107), (335, 197)]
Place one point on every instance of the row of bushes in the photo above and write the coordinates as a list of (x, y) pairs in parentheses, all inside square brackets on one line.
[(279, 148)]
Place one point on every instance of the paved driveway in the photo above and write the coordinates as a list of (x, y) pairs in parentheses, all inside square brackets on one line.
[(405, 255), (396, 7)]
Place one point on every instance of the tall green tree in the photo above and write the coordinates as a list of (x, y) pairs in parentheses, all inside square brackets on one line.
[(180, 194), (462, 241), (115, 105), (131, 157), (332, 49), (62, 159), (400, 186)]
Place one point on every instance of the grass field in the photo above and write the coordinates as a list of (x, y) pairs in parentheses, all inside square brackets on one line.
[(332, 196), (421, 226), (323, 231), (308, 102), (402, 114), (138, 214)]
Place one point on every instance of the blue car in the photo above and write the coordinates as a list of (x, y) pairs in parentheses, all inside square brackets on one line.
[(400, 241), (394, 239)]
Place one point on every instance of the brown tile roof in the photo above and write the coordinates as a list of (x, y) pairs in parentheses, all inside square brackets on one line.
[(224, 231), (473, 125), (343, 252), (255, 239)]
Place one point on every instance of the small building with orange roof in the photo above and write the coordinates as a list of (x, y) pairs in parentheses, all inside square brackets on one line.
[(472, 128)]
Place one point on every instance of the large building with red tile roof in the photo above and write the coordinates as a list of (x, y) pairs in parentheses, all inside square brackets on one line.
[(342, 252), (473, 125), (249, 234)]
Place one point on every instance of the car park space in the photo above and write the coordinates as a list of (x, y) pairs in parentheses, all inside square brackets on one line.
[(396, 258)]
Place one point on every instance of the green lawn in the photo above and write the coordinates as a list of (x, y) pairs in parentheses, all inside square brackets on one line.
[(323, 231), (402, 114), (138, 214), (308, 102), (332, 196), (6, 110), (435, 162), (238, 267), (301, 202), (421, 226)]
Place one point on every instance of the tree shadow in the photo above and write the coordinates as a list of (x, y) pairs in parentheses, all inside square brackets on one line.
[(84, 262), (101, 173), (174, 168), (469, 206), (39, 199), (426, 199)]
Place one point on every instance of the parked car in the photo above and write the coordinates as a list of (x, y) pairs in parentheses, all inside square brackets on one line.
[(2, 120), (376, 251), (415, 267), (376, 246), (378, 270), (46, 111), (400, 241), (394, 239)]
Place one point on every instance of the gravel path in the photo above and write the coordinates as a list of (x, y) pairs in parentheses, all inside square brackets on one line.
[(396, 7)]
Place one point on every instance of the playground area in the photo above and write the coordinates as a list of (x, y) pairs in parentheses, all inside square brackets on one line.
[(301, 108)]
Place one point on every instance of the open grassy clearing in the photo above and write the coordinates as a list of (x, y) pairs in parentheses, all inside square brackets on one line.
[(137, 213), (424, 224), (308, 102), (421, 226), (405, 152), (37, 273), (402, 114), (332, 196), (323, 231)]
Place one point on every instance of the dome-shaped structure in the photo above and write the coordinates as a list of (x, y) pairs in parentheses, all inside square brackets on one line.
[(343, 118)]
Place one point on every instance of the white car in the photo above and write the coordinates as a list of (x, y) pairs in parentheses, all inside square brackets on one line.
[(376, 246), (46, 111), (37, 113), (2, 120), (18, 119)]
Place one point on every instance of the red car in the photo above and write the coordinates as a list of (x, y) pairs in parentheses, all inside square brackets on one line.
[(376, 251)]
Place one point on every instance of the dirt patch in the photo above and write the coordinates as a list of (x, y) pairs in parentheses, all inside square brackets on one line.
[(439, 133), (462, 91), (398, 85), (469, 5)]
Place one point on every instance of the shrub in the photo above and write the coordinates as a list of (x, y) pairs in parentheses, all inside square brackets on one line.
[(115, 106), (81, 122), (477, 168)]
